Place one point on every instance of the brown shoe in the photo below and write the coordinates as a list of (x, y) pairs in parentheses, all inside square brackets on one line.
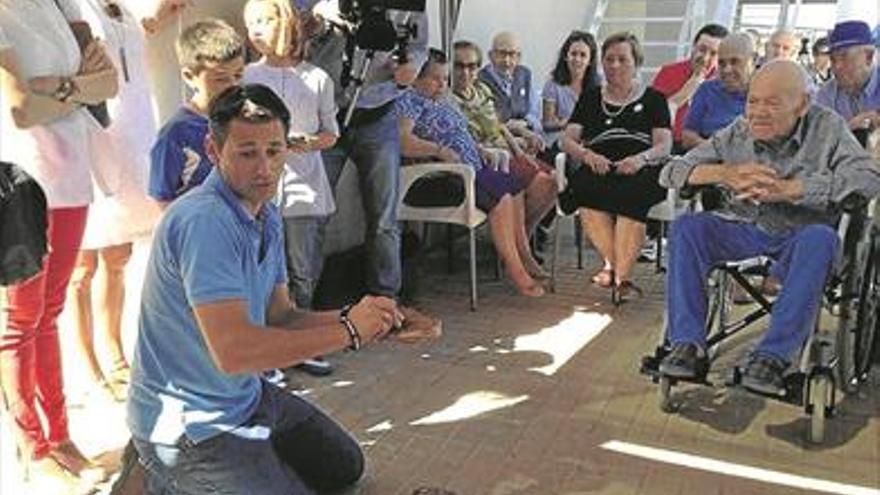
[(417, 327), (70, 458), (132, 477)]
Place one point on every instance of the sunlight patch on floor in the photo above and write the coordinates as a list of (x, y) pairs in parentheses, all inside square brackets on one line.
[(738, 470), (469, 406), (563, 340)]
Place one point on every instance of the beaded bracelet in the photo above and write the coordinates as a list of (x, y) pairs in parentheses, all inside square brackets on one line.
[(353, 334)]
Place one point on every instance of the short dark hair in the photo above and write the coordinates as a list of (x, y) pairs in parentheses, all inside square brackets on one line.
[(713, 30), (254, 103), (631, 40), (469, 45), (435, 57), (561, 74)]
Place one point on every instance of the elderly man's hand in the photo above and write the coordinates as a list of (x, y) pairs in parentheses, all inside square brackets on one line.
[(374, 316), (740, 178), (774, 191), (869, 119)]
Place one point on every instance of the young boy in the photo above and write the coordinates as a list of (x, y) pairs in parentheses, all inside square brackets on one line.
[(211, 57), (306, 198)]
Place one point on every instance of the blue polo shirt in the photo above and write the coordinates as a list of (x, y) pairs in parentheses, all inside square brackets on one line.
[(713, 108), (207, 248)]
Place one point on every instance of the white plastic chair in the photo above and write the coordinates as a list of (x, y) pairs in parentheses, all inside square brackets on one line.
[(465, 214), (664, 212)]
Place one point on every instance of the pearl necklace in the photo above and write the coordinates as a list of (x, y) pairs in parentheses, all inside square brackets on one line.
[(608, 113)]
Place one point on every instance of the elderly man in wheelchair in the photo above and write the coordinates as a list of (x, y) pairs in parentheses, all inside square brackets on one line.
[(784, 169)]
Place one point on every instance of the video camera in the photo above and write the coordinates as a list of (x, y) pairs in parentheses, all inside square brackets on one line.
[(372, 29)]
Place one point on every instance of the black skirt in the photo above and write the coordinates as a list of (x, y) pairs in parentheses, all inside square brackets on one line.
[(628, 195)]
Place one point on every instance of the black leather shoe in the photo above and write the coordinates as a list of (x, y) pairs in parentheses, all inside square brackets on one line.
[(684, 361), (764, 375)]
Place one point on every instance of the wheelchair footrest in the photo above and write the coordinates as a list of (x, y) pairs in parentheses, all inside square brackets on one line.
[(650, 366), (793, 383)]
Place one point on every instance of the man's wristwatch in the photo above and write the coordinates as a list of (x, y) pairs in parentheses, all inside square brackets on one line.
[(65, 90), (353, 334)]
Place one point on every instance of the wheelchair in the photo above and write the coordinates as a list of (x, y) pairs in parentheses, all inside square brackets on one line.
[(837, 357)]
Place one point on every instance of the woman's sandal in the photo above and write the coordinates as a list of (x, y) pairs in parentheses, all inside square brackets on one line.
[(603, 278), (624, 291)]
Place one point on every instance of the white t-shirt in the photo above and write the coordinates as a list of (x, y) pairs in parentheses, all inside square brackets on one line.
[(55, 154), (308, 92), (121, 153)]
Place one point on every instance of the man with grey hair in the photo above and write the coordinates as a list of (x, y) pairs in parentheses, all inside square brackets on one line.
[(718, 101), (516, 98), (854, 92), (782, 167), (783, 44)]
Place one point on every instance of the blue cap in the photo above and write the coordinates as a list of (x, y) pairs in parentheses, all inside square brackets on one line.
[(849, 33)]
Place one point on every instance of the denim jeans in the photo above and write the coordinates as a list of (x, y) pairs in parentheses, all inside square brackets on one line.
[(804, 258), (304, 241), (301, 451), (375, 150)]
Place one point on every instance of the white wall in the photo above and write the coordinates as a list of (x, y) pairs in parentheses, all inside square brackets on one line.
[(541, 26)]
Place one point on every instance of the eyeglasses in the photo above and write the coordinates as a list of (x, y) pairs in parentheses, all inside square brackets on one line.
[(506, 53), (467, 65)]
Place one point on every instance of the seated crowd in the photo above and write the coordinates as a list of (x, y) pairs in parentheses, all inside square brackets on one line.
[(245, 174)]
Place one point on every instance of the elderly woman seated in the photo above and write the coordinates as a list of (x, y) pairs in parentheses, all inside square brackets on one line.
[(516, 154), (431, 127), (617, 131), (718, 102)]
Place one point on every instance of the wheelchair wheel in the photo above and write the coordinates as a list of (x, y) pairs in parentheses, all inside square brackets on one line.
[(820, 391), (859, 321), (867, 316), (665, 391)]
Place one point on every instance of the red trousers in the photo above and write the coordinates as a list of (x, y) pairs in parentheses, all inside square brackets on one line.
[(30, 355)]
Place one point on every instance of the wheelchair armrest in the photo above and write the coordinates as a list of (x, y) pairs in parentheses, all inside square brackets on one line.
[(853, 203)]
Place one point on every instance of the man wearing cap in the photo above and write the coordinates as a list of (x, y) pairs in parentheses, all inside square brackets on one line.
[(854, 92)]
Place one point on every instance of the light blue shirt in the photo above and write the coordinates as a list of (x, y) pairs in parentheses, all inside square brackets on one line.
[(207, 248), (849, 105)]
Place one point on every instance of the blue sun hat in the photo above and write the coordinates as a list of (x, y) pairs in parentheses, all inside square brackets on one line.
[(849, 33)]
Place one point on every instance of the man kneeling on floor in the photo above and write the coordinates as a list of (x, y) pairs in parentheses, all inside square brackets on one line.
[(782, 168), (216, 312)]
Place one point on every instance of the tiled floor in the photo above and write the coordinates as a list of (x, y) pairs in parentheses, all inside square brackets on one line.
[(540, 397)]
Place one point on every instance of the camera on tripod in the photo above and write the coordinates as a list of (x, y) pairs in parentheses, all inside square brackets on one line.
[(372, 30)]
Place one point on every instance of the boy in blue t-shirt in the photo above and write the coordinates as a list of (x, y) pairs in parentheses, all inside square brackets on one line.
[(211, 57)]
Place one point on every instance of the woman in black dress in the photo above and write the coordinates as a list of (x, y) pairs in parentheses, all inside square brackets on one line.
[(617, 131)]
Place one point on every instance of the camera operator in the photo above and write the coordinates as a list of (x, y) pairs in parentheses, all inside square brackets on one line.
[(371, 138)]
